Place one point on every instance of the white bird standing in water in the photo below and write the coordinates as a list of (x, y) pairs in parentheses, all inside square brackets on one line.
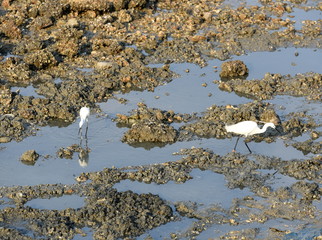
[(84, 114), (247, 128)]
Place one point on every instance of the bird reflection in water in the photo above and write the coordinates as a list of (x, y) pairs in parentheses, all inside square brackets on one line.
[(83, 155)]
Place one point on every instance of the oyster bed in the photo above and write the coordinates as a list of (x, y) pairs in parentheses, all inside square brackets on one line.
[(58, 56)]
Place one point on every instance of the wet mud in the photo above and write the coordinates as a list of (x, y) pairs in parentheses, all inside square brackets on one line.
[(79, 52)]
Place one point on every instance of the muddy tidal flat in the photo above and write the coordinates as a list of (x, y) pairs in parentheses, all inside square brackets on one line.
[(162, 79)]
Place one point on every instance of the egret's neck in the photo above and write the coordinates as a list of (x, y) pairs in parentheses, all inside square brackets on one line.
[(264, 128)]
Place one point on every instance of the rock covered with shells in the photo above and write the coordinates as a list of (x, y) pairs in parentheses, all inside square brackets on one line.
[(213, 121), (104, 5), (276, 84), (233, 69), (97, 48), (13, 127), (309, 146), (150, 125), (154, 125), (124, 214), (29, 157), (147, 131), (68, 35), (152, 114), (15, 70), (6, 97), (127, 214)]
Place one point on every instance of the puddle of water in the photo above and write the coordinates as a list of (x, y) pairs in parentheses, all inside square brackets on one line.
[(274, 149), (318, 205), (279, 180), (218, 230), (288, 104), (301, 15), (106, 150), (164, 231), (87, 231), (86, 70), (311, 3), (283, 61), (22, 227), (27, 91), (307, 233), (8, 56), (57, 203), (194, 91), (235, 4), (6, 202), (58, 80), (185, 94), (203, 189)]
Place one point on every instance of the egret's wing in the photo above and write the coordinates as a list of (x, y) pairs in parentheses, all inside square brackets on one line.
[(243, 128)]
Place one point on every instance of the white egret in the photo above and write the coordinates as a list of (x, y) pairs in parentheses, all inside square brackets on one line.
[(247, 128), (84, 114)]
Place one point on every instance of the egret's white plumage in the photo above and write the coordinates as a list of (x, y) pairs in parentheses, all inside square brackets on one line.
[(84, 114), (247, 128)]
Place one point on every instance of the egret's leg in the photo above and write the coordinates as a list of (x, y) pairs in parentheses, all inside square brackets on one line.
[(79, 131), (86, 129), (248, 147), (236, 144)]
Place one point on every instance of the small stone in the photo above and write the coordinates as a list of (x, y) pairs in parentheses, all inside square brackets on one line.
[(314, 135), (5, 139), (72, 22), (232, 69), (29, 156), (101, 65)]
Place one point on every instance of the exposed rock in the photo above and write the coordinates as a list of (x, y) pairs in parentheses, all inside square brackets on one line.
[(105, 5), (276, 84), (29, 156), (5, 139), (10, 29), (6, 96), (97, 5), (233, 69), (40, 59), (146, 131), (15, 70)]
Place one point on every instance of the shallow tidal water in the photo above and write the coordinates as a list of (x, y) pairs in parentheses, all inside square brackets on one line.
[(193, 91), (185, 94)]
